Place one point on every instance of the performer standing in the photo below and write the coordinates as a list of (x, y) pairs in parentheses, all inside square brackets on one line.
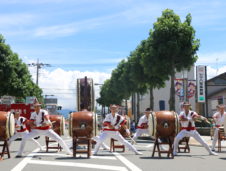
[(41, 125), (112, 123), (21, 129), (218, 118), (187, 119)]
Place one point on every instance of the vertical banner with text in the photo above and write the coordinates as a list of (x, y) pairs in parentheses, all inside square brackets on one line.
[(201, 79)]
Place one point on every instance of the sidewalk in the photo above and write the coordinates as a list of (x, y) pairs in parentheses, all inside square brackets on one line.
[(208, 140)]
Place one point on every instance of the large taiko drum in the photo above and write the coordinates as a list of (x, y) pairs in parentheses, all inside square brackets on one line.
[(164, 124), (83, 124), (58, 123), (7, 125)]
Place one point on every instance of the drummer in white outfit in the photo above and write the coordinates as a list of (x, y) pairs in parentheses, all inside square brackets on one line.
[(21, 129), (187, 119), (112, 123), (218, 118), (142, 126), (41, 125)]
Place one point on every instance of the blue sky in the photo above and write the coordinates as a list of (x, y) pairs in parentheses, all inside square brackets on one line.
[(89, 37)]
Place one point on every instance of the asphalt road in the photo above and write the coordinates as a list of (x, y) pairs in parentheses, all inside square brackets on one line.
[(197, 160)]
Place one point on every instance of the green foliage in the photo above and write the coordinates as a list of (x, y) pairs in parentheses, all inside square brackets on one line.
[(171, 47), (14, 75)]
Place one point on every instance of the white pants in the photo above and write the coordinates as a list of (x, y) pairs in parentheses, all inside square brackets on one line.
[(139, 132), (103, 145), (49, 133), (215, 138), (192, 133), (113, 134), (22, 135)]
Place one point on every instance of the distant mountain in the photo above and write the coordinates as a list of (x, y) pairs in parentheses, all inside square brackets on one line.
[(65, 112)]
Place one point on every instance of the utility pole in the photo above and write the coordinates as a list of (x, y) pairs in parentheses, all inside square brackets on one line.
[(38, 66)]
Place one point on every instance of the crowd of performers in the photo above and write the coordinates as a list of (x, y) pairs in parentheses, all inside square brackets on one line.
[(41, 125)]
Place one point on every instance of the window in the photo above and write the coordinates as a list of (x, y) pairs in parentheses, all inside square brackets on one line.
[(161, 105)]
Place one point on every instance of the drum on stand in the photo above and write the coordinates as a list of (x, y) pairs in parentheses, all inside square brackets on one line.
[(58, 124), (7, 125), (83, 124), (163, 124)]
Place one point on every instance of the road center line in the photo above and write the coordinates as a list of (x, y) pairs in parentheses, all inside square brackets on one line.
[(129, 164)]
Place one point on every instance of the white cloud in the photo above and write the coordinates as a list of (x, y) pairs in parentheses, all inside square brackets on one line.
[(214, 59), (16, 19), (57, 31), (212, 72), (62, 84)]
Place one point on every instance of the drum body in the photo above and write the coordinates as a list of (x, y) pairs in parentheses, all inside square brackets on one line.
[(83, 124), (163, 124), (58, 124), (7, 125), (85, 94)]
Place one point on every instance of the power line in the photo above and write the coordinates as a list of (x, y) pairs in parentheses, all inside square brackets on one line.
[(38, 67)]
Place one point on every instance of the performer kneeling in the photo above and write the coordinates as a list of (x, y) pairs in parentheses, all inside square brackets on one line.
[(41, 125), (187, 119), (21, 129), (219, 118), (142, 127), (112, 123)]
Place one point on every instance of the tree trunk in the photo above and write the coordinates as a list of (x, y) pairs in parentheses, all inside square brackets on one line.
[(151, 99), (126, 107), (138, 105), (172, 93)]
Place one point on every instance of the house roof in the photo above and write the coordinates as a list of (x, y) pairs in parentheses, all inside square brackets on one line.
[(221, 76), (216, 92)]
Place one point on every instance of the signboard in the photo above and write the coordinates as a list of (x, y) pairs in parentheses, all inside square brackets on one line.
[(191, 88), (201, 79), (178, 83)]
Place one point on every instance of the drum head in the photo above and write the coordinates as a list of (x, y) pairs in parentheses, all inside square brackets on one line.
[(95, 125), (10, 125), (177, 123), (152, 124), (62, 126), (70, 125)]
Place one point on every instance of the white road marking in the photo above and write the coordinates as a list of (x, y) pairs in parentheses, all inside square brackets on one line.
[(129, 164), (64, 155), (149, 146), (24, 162), (83, 165)]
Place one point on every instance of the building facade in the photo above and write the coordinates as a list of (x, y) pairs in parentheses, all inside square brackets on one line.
[(216, 92), (162, 95)]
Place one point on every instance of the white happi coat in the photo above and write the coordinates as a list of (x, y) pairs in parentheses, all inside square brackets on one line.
[(219, 119), (143, 121)]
